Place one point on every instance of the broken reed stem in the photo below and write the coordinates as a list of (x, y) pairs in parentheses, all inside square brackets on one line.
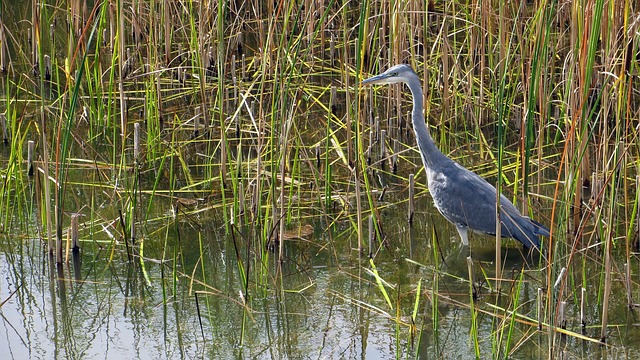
[(383, 137), (47, 67), (59, 250), (332, 50), (75, 245), (206, 124), (358, 206), (627, 281), (136, 143), (562, 314), (333, 100), (411, 197), (3, 49), (196, 123), (241, 205), (5, 132), (132, 227), (407, 128), (540, 308), (607, 288), (244, 68), (370, 148), (31, 146), (372, 235), (560, 277), (583, 320), (240, 40), (167, 31), (223, 157), (233, 71), (394, 157), (238, 123)]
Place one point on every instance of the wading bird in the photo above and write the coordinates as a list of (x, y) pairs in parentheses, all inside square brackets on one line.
[(462, 197)]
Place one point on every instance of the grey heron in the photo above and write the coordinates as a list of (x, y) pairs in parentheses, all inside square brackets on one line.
[(465, 199)]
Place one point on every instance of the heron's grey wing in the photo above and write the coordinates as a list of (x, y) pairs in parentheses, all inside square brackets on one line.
[(466, 199)]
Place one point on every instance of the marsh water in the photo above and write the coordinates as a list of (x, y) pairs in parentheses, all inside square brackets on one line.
[(266, 215), (320, 302)]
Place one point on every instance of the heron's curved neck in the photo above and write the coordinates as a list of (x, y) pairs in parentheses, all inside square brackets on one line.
[(428, 149)]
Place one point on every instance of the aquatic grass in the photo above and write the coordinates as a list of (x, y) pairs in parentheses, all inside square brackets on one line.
[(475, 339), (14, 186), (515, 301), (380, 282), (503, 68), (61, 157)]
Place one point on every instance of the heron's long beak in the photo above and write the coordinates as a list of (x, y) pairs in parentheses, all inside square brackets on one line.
[(378, 79)]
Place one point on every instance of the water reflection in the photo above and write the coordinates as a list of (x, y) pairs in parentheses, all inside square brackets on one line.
[(320, 302), (314, 306)]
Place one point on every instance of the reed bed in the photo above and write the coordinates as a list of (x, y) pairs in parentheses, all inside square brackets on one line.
[(125, 123)]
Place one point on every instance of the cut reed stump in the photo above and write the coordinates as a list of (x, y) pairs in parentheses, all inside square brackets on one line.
[(47, 68), (196, 124), (583, 321), (75, 245), (562, 315), (383, 149), (334, 99), (368, 152), (540, 308), (394, 157), (136, 143), (372, 235), (31, 146), (412, 185), (5, 132)]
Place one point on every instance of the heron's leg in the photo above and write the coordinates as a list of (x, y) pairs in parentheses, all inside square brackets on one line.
[(463, 231), (457, 260)]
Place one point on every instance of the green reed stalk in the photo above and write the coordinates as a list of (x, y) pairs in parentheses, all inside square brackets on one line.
[(360, 166), (45, 148), (121, 53), (295, 190), (612, 187), (473, 311), (14, 173), (574, 160), (515, 306), (397, 326), (435, 321), (536, 75), (327, 162), (380, 282), (416, 303), (220, 56)]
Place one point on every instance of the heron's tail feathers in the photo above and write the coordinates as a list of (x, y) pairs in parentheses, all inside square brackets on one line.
[(529, 240), (530, 237), (540, 229)]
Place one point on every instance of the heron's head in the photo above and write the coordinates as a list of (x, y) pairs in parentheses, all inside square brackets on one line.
[(396, 74)]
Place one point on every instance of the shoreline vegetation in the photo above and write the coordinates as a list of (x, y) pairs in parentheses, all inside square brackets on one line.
[(169, 138)]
